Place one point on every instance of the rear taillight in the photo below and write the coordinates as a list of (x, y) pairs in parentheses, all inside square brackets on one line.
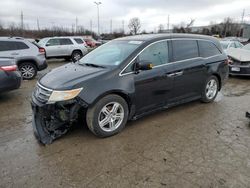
[(42, 50), (9, 68)]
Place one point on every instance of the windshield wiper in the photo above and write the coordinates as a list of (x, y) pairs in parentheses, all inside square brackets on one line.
[(93, 65)]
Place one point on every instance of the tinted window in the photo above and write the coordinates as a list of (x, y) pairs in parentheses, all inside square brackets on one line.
[(11, 45), (65, 42), (208, 49), (53, 42), (78, 40), (21, 46), (184, 49), (157, 54)]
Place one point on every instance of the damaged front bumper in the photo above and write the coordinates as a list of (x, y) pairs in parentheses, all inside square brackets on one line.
[(51, 121)]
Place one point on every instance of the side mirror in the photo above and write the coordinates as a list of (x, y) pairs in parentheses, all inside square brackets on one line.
[(143, 65), (48, 44)]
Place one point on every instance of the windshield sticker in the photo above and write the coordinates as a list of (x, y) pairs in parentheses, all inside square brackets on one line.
[(135, 42)]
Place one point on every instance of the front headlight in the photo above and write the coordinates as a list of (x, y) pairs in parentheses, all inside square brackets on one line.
[(64, 95)]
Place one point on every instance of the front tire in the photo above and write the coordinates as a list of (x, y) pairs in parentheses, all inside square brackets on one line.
[(210, 89), (108, 116), (28, 70)]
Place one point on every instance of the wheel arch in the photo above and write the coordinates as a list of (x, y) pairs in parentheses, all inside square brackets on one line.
[(76, 50), (219, 79), (120, 93), (19, 62)]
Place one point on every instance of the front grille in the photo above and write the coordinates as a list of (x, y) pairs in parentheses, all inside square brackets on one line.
[(239, 63), (42, 94)]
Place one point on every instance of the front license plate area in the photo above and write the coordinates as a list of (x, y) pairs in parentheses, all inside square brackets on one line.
[(235, 69)]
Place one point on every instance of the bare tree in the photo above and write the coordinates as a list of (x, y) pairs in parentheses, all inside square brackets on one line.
[(134, 25), (191, 23)]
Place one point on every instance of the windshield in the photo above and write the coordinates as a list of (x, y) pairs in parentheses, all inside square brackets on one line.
[(224, 45), (111, 53), (246, 47)]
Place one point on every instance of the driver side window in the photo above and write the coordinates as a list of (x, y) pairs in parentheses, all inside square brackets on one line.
[(157, 54)]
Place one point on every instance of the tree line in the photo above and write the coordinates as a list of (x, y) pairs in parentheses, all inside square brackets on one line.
[(228, 27)]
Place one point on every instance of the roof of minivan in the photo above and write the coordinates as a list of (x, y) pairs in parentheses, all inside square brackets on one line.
[(147, 37), (161, 36)]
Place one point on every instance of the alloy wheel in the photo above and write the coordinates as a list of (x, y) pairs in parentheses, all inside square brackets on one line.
[(211, 89), (27, 71), (111, 116)]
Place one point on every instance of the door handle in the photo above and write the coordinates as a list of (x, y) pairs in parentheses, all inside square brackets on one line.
[(170, 74), (179, 73), (14, 53)]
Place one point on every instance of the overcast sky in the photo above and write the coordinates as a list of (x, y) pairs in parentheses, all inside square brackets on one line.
[(151, 12)]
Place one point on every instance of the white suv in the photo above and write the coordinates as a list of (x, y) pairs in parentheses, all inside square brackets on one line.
[(29, 57), (64, 47)]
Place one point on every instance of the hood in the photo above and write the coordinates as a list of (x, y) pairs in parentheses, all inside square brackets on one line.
[(67, 76), (239, 54)]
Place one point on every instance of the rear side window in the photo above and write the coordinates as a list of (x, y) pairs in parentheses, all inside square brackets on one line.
[(12, 45), (65, 41), (21, 46), (78, 40), (53, 42), (157, 54), (184, 49), (208, 49)]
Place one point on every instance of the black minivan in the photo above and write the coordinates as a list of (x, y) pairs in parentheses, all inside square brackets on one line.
[(126, 79)]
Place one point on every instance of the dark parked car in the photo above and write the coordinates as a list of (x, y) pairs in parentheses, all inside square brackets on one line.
[(10, 78), (126, 79)]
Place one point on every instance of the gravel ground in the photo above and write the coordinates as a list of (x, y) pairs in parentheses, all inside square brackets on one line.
[(193, 145)]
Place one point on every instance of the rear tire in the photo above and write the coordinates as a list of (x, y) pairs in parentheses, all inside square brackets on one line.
[(210, 89), (108, 116), (28, 70), (76, 55)]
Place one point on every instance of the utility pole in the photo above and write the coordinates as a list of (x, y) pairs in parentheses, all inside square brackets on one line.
[(123, 29), (242, 16), (38, 25), (98, 21), (168, 25), (242, 21), (111, 26), (90, 26), (76, 25), (22, 25)]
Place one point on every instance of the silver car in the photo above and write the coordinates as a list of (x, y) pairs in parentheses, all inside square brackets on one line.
[(64, 47), (227, 44), (30, 58)]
